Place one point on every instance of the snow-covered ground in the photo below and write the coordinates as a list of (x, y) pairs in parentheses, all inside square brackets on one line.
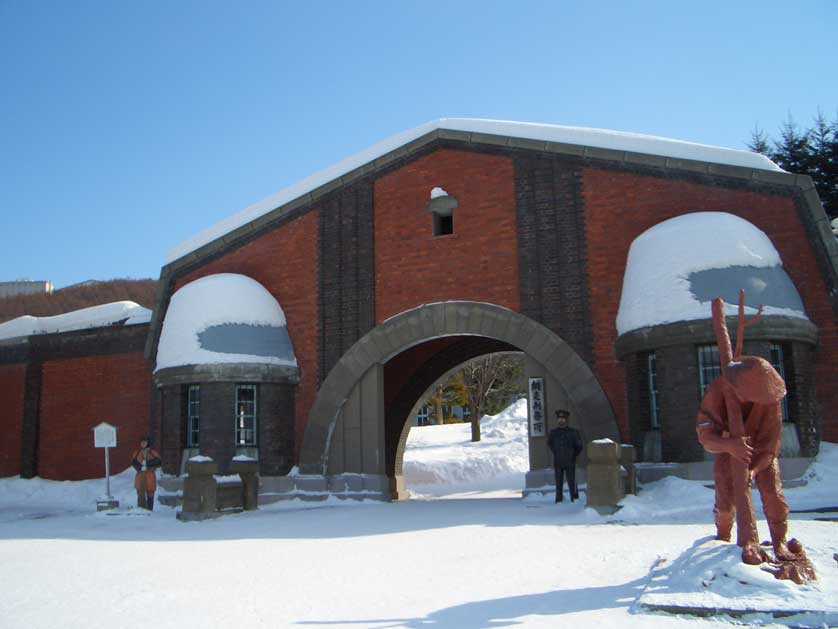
[(466, 552)]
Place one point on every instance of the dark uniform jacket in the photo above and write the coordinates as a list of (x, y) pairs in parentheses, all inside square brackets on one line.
[(566, 445)]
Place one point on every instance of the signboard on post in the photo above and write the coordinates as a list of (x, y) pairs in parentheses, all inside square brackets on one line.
[(538, 406), (104, 436)]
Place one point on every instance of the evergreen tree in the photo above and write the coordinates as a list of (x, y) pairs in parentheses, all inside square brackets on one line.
[(812, 152)]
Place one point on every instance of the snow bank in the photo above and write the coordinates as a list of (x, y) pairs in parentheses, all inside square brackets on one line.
[(598, 138), (212, 303), (51, 497), (118, 312), (657, 286), (445, 455)]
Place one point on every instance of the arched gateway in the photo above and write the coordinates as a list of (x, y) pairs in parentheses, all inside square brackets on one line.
[(355, 431)]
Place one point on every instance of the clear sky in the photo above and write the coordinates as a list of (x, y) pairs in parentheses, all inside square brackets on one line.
[(127, 127)]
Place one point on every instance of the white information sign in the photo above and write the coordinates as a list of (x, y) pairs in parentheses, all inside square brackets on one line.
[(538, 406), (104, 436)]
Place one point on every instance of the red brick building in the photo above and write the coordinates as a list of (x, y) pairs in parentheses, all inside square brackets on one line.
[(451, 241)]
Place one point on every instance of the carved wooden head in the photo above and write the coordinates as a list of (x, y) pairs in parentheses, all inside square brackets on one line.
[(752, 378)]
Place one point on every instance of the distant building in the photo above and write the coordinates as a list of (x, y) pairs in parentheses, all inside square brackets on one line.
[(25, 287)]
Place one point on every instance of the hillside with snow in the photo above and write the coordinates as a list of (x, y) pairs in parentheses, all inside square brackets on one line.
[(466, 552)]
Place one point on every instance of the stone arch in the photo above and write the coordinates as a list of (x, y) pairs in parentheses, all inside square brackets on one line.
[(359, 370)]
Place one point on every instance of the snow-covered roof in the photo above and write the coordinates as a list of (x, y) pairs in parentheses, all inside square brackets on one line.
[(118, 312), (580, 136), (676, 268), (224, 318)]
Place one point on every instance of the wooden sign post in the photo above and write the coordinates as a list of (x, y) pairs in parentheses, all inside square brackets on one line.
[(104, 436)]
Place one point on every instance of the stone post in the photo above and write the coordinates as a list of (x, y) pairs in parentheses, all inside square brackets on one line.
[(248, 471), (605, 483), (200, 491), (627, 456)]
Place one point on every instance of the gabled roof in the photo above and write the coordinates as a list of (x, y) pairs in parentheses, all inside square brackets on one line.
[(597, 143)]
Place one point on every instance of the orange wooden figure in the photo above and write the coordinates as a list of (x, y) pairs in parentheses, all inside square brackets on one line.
[(740, 421)]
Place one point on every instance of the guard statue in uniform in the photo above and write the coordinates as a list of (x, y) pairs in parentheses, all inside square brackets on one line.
[(565, 444)]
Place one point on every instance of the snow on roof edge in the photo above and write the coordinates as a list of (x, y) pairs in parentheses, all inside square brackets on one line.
[(103, 315), (582, 136)]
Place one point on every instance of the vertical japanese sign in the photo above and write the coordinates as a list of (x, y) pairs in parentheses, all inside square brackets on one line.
[(537, 407)]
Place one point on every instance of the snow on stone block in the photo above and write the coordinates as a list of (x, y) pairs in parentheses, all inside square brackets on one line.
[(676, 268), (579, 136), (606, 440), (224, 318), (244, 458), (438, 192), (200, 458), (118, 312)]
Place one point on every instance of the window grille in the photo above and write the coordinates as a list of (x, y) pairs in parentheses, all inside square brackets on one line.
[(777, 360), (422, 417), (246, 415), (654, 408), (709, 366), (193, 405)]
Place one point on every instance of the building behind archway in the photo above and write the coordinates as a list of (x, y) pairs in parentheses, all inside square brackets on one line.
[(536, 220)]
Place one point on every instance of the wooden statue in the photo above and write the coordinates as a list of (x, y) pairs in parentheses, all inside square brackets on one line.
[(740, 421)]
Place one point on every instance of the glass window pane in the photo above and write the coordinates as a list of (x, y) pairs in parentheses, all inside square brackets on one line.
[(245, 419)]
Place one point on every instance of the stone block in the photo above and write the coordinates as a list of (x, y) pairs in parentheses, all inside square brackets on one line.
[(315, 483), (201, 468), (627, 458), (200, 494), (605, 481)]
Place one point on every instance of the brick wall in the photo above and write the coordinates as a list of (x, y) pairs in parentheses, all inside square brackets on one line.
[(346, 272), (284, 261), (552, 251), (478, 262), (79, 393), (11, 417), (621, 205)]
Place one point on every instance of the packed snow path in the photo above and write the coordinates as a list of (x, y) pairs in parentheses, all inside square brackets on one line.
[(456, 563)]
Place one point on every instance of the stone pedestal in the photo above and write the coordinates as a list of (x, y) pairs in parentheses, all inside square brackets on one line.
[(200, 491), (627, 457), (398, 489), (605, 483), (248, 471)]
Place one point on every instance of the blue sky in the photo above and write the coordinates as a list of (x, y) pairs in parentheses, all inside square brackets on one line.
[(127, 127)]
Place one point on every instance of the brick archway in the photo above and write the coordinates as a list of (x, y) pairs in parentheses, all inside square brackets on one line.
[(361, 367)]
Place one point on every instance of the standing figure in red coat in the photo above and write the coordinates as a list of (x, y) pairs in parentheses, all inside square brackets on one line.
[(741, 422), (145, 461)]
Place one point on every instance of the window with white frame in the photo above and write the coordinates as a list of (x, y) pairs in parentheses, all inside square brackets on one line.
[(245, 414), (777, 360), (654, 409), (422, 417), (709, 366), (193, 414)]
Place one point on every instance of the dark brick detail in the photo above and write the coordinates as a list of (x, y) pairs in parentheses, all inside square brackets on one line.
[(173, 420), (830, 278), (274, 419), (803, 404), (408, 375), (276, 429), (346, 272), (12, 388), (679, 398), (637, 383), (31, 427), (551, 248), (77, 344)]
